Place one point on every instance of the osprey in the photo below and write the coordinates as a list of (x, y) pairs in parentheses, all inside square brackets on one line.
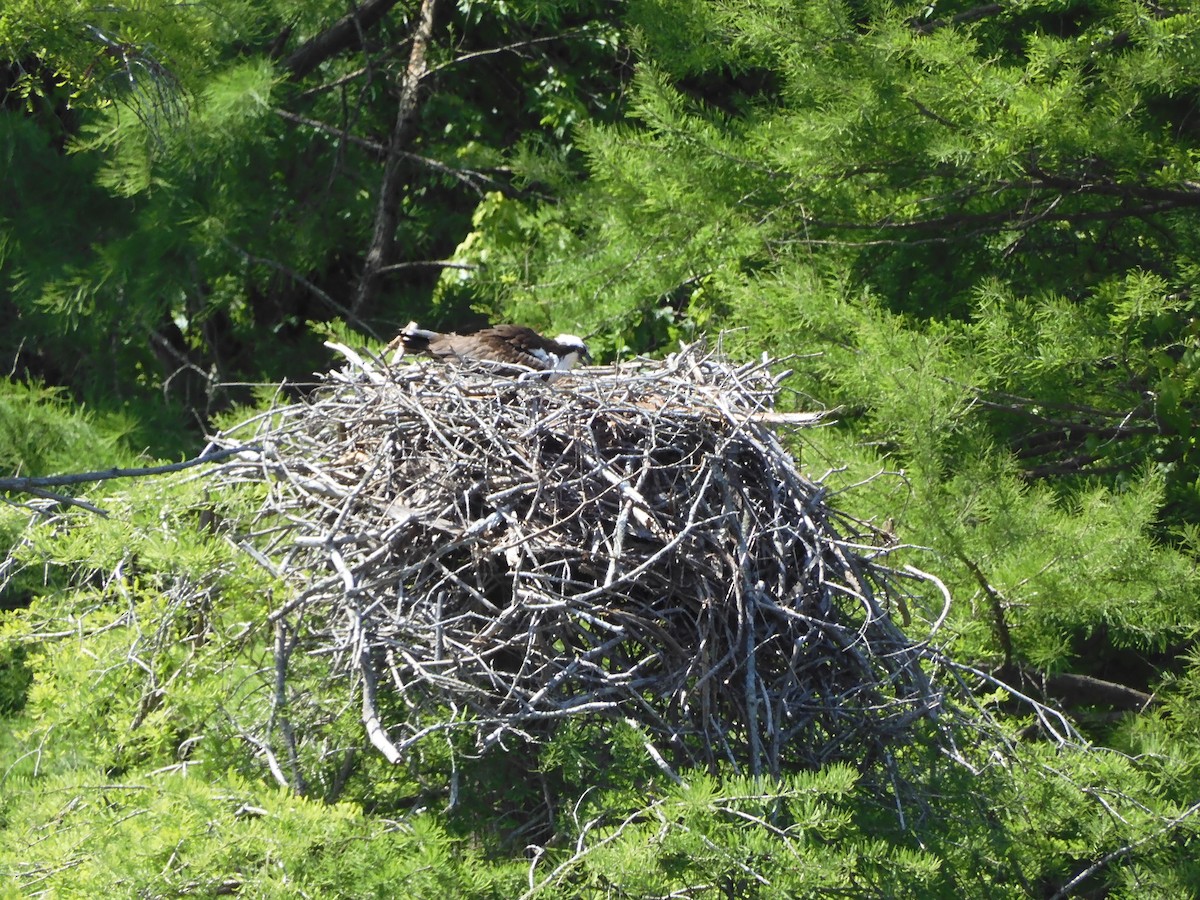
[(512, 345)]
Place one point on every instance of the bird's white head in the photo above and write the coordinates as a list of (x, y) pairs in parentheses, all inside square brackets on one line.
[(576, 350)]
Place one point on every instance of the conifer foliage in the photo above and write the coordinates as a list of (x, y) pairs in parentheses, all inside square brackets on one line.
[(972, 228)]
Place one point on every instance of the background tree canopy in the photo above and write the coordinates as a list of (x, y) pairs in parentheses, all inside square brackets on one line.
[(975, 229)]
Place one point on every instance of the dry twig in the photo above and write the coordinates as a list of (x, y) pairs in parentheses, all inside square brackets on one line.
[(628, 541)]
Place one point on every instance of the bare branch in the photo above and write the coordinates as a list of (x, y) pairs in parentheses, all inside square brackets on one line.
[(373, 147), (511, 48), (31, 484), (428, 264), (1085, 690), (342, 35), (974, 14), (998, 605), (475, 179), (1068, 889)]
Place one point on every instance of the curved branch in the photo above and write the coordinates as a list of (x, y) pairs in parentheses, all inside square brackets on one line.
[(341, 35)]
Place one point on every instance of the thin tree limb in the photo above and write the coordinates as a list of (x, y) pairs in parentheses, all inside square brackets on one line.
[(342, 35), (1068, 889), (997, 603), (291, 273), (30, 484)]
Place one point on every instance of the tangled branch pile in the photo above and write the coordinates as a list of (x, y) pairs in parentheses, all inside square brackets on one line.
[(497, 553)]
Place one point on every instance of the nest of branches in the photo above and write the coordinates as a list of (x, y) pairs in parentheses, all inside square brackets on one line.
[(493, 552)]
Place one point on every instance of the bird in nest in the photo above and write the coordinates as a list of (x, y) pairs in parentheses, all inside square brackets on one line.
[(506, 345)]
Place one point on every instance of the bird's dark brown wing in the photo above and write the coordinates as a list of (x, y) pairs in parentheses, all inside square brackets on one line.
[(514, 334), (508, 344), (512, 344), (448, 345)]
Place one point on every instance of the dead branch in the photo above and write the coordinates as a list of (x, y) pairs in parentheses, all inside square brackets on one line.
[(1069, 889), (1075, 691), (342, 35), (631, 541), (928, 26), (36, 485)]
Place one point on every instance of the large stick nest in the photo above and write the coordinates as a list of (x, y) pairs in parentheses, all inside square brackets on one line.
[(488, 551)]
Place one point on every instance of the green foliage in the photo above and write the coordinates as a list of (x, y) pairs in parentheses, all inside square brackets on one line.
[(1003, 834), (15, 679), (973, 225), (91, 56), (187, 201), (42, 433), (174, 833), (138, 758)]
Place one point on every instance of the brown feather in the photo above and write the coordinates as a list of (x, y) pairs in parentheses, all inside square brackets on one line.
[(505, 344)]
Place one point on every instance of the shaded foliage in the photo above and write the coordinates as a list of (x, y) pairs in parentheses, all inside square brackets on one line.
[(216, 175)]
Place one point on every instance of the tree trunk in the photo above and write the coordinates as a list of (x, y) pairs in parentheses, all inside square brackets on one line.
[(387, 211)]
